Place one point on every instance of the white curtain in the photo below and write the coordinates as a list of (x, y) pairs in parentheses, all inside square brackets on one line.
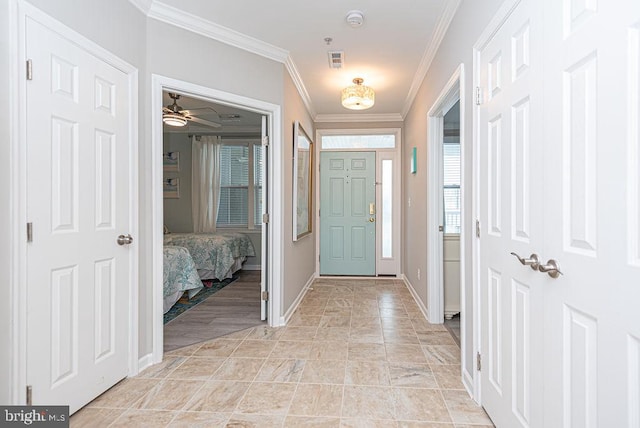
[(205, 182)]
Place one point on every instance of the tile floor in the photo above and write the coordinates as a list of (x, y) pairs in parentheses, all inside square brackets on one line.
[(357, 353)]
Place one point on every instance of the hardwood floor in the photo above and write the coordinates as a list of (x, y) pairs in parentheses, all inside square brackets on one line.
[(234, 308)]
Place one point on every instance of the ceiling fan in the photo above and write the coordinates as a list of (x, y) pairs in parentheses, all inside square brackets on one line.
[(174, 115)]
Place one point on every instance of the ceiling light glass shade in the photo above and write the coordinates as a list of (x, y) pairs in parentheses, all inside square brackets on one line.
[(358, 96), (174, 119)]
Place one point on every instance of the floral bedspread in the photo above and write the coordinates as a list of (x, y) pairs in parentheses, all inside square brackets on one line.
[(179, 272), (216, 252)]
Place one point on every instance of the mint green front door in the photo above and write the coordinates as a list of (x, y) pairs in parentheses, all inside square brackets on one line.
[(347, 213)]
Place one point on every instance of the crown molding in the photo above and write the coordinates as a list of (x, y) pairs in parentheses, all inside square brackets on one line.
[(297, 80), (171, 15), (429, 54), (142, 5), (344, 118)]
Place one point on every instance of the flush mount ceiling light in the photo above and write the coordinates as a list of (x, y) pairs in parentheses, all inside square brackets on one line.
[(174, 119), (358, 96)]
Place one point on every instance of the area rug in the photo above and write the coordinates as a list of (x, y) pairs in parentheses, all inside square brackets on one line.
[(184, 304)]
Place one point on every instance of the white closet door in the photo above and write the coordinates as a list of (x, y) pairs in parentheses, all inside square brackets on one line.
[(591, 187), (511, 208), (78, 200)]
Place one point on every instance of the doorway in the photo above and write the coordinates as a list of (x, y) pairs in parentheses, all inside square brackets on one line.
[(451, 203), (447, 206), (377, 210), (213, 167), (271, 151)]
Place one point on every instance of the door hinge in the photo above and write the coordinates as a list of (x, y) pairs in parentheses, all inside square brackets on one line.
[(29, 70), (29, 395), (478, 95), (265, 141), (477, 228), (265, 218), (29, 232), (478, 362), (264, 295)]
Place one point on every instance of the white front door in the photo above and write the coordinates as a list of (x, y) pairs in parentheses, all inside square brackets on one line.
[(592, 192), (511, 200), (559, 150), (78, 201)]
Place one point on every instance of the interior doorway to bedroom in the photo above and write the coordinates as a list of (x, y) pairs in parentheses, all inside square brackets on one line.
[(212, 213), (239, 128)]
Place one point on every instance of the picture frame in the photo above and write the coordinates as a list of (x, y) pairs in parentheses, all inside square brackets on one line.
[(302, 182), (171, 188), (171, 161), (414, 160)]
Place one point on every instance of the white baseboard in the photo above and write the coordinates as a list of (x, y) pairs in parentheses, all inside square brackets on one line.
[(145, 362), (414, 294), (251, 267), (287, 316)]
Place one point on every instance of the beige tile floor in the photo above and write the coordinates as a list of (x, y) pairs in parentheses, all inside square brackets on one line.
[(356, 353)]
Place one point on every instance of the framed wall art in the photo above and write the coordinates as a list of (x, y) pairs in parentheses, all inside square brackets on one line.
[(171, 161), (302, 182), (171, 188)]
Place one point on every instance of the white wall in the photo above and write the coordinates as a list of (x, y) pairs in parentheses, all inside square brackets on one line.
[(299, 256), (456, 48)]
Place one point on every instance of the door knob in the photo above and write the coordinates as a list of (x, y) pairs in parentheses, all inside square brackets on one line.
[(125, 239), (371, 219), (552, 268), (532, 261)]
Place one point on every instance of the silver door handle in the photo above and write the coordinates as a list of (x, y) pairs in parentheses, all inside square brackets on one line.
[(532, 261), (125, 239), (552, 268)]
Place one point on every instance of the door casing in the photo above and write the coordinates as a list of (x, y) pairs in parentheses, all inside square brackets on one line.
[(453, 91)]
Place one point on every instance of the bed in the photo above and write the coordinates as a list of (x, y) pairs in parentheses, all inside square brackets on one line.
[(179, 275), (216, 255)]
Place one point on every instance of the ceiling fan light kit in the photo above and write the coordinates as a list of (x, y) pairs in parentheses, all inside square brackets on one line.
[(173, 119), (358, 96), (174, 115)]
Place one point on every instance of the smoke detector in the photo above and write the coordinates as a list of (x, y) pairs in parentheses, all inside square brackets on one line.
[(355, 18)]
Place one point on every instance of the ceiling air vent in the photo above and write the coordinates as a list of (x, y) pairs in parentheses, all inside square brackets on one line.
[(336, 59)]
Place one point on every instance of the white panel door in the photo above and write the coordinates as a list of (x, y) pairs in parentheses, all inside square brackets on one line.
[(570, 104), (78, 200), (592, 191), (510, 202)]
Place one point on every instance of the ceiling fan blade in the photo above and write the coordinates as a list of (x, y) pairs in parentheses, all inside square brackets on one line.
[(204, 122), (191, 110)]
